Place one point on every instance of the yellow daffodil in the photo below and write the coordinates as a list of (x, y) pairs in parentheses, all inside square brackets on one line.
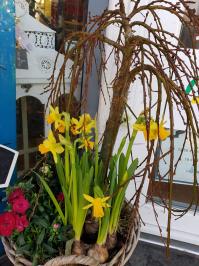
[(75, 126), (98, 204), (163, 133), (55, 117), (60, 126), (86, 143), (154, 133), (87, 123), (50, 145), (83, 125), (195, 101)]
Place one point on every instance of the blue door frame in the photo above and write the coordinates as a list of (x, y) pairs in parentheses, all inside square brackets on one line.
[(7, 78)]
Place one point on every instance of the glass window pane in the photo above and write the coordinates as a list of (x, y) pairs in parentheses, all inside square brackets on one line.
[(19, 125), (63, 16), (186, 32), (35, 116), (30, 131)]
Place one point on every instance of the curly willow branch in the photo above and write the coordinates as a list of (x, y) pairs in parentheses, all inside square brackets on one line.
[(157, 56)]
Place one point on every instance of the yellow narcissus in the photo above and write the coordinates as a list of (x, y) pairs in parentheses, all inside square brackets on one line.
[(153, 132), (83, 125), (195, 101), (75, 126), (50, 145), (86, 143), (87, 123), (163, 133), (98, 204), (55, 117)]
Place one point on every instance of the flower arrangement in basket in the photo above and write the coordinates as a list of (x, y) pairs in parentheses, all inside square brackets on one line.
[(85, 210), (73, 208)]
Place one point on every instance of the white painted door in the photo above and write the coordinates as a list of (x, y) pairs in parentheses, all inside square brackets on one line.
[(184, 229)]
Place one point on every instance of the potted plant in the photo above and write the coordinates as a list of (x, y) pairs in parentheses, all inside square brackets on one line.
[(93, 182)]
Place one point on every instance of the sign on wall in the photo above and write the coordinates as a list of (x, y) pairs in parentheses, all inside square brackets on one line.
[(8, 159)]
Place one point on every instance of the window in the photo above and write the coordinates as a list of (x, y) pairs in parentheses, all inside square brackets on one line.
[(185, 37), (30, 131), (63, 16)]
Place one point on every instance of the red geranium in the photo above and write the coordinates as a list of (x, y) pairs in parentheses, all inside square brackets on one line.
[(15, 194), (7, 223), (20, 205), (60, 196), (21, 222)]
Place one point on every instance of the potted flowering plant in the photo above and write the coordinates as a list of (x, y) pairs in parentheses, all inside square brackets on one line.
[(83, 207), (98, 226)]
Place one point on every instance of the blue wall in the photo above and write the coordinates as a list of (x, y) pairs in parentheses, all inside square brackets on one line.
[(7, 79), (7, 75)]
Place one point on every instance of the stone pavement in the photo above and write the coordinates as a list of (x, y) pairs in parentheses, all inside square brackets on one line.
[(147, 254)]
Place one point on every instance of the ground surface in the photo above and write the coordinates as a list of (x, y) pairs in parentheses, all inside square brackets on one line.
[(149, 255)]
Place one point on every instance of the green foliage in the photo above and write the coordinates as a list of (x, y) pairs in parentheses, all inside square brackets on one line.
[(46, 235)]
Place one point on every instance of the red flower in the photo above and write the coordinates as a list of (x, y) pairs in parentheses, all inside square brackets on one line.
[(20, 205), (60, 196), (21, 222), (7, 223), (15, 194)]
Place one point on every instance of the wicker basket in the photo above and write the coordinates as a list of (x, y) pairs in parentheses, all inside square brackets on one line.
[(120, 258)]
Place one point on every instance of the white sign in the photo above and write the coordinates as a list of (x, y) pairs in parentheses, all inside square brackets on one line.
[(185, 170), (8, 159)]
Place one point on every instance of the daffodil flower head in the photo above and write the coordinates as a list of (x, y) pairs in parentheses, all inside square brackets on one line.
[(84, 125), (98, 205), (56, 118), (50, 145), (75, 126), (86, 143), (195, 101), (53, 115), (163, 133), (153, 131), (87, 123)]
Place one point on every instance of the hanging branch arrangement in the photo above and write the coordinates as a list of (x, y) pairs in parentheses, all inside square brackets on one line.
[(157, 55)]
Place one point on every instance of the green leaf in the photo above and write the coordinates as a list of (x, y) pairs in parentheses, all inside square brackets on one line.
[(98, 192), (87, 181), (50, 193), (49, 249), (40, 221), (121, 169), (41, 237), (20, 240), (26, 250), (121, 147), (99, 179), (132, 168)]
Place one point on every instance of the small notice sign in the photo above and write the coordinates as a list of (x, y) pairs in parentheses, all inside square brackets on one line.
[(8, 159), (21, 59), (185, 171)]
